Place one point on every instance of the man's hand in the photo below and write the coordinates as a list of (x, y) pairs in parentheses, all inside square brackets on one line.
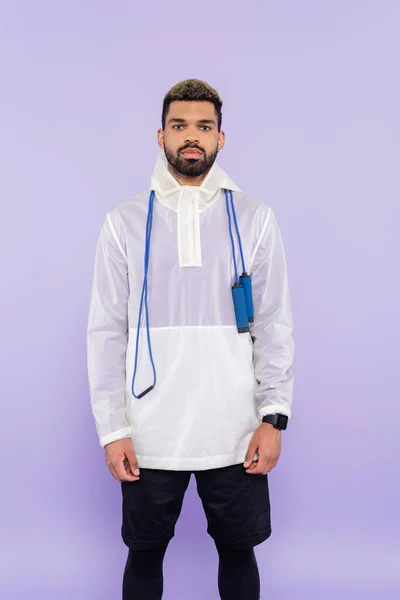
[(267, 442), (121, 460)]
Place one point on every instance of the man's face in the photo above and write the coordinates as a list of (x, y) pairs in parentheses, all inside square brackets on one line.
[(191, 138)]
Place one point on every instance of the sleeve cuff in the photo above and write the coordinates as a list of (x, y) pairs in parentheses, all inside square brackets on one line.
[(272, 410), (116, 435)]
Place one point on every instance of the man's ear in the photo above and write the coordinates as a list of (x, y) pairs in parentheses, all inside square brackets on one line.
[(221, 140), (160, 138)]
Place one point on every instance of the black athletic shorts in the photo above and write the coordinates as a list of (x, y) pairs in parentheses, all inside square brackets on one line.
[(236, 505)]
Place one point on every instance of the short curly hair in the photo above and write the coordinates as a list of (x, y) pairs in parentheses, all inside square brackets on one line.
[(191, 90)]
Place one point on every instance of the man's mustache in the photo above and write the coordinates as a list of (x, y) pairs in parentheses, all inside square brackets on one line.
[(192, 148)]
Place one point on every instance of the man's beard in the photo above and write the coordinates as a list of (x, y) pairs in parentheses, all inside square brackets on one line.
[(191, 167)]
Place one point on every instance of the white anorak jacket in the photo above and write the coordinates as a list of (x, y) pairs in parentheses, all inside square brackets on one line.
[(214, 384)]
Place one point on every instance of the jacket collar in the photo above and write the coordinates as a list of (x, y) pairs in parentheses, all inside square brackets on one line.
[(170, 193)]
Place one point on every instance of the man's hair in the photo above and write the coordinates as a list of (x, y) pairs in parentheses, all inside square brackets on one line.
[(192, 90)]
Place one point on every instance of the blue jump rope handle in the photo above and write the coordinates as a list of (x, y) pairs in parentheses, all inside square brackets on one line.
[(239, 302), (245, 281)]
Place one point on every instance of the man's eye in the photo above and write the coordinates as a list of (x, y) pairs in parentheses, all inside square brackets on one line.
[(206, 127), (175, 126)]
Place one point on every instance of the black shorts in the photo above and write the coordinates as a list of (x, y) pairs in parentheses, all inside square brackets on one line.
[(236, 505)]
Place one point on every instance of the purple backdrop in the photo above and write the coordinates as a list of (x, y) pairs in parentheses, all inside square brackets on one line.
[(311, 112)]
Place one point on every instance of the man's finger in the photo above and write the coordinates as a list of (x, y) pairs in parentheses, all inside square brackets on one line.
[(256, 471), (113, 472), (252, 468), (122, 474), (133, 462), (257, 468), (250, 454)]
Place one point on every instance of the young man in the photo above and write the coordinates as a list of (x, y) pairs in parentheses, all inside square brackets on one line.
[(217, 393)]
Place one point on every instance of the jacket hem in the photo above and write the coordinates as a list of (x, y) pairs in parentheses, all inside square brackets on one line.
[(200, 463)]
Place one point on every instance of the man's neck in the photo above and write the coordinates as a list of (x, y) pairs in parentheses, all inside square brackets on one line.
[(182, 180)]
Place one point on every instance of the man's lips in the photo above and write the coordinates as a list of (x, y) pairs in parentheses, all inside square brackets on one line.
[(191, 153)]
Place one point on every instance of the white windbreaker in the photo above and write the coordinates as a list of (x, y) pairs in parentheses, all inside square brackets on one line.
[(214, 385)]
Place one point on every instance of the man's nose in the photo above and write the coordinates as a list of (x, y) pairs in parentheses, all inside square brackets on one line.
[(191, 137)]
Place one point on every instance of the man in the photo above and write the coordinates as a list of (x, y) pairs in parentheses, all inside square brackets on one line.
[(193, 392)]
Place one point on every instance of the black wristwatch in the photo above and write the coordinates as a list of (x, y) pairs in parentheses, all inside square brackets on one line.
[(278, 420)]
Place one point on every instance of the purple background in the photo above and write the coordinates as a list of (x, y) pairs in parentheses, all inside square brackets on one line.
[(311, 93)]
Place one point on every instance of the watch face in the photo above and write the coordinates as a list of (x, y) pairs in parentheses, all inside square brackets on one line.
[(282, 421)]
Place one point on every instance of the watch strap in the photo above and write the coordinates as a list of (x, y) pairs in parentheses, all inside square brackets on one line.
[(278, 420)]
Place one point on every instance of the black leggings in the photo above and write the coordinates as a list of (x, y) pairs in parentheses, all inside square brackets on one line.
[(238, 576)]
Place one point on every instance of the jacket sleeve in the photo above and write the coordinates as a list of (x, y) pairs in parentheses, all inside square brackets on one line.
[(273, 345), (107, 334)]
